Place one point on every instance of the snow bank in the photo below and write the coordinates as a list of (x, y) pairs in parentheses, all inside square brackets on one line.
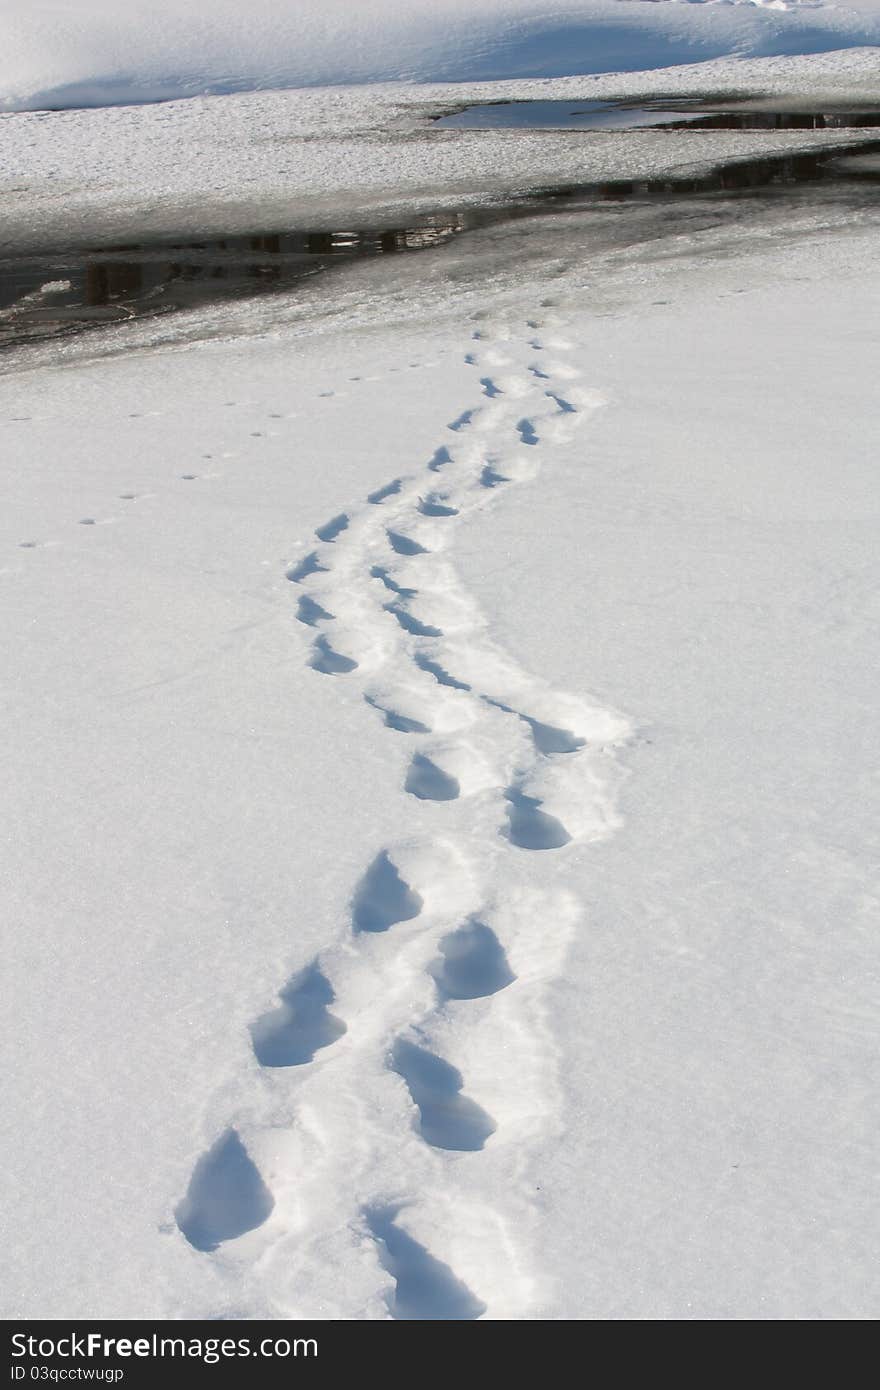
[(69, 53)]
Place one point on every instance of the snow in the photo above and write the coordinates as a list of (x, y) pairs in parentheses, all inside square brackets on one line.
[(295, 1031), (68, 53)]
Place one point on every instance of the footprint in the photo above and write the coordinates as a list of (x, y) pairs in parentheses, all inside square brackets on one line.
[(441, 457), (463, 420), (489, 478), (401, 723), (382, 899), (310, 612), (381, 493), (226, 1196), (426, 1290), (447, 1119), (536, 371), (432, 506), (531, 828), (290, 1036), (489, 387), (404, 545), (331, 529), (549, 740), (411, 624), (565, 406), (87, 521), (310, 565), (329, 662), (526, 432), (472, 965), (436, 670), (428, 782), (379, 572), (189, 477), (470, 359), (28, 545)]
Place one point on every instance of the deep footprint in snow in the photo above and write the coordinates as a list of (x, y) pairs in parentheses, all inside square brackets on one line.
[(489, 387), (472, 963), (426, 1289), (441, 676), (526, 431), (382, 899), (565, 406), (426, 781), (381, 493), (549, 740), (400, 723), (291, 1035), (410, 624), (328, 661), (462, 422), (447, 1119), (333, 528), (404, 545), (433, 506), (303, 568), (531, 828), (226, 1196), (310, 612), (489, 478), (441, 457), (379, 572)]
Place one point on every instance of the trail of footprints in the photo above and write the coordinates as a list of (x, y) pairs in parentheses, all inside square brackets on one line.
[(518, 767)]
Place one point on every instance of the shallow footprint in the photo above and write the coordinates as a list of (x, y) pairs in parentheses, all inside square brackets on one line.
[(290, 1036), (472, 963), (549, 740), (447, 1119), (310, 612), (310, 564), (426, 1289), (404, 545), (333, 528), (226, 1196), (426, 781), (531, 828), (382, 899)]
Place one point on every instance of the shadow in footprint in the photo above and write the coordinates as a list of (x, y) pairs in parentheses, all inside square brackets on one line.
[(489, 478), (226, 1196), (310, 612), (333, 528), (329, 662), (426, 781), (472, 963), (447, 1119), (550, 740), (290, 1036), (310, 565), (431, 506), (436, 670), (441, 457), (382, 899), (462, 422), (531, 828), (426, 1289), (379, 572), (489, 387), (565, 406), (527, 432), (410, 624), (399, 722), (381, 493), (404, 545)]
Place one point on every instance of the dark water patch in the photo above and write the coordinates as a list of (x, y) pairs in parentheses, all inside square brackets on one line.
[(674, 114)]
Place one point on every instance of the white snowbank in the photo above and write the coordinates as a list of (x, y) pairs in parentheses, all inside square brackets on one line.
[(68, 53)]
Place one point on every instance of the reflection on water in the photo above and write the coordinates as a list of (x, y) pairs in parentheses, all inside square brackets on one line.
[(671, 115), (68, 290)]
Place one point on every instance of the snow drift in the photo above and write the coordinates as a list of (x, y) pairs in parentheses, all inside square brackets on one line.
[(69, 53)]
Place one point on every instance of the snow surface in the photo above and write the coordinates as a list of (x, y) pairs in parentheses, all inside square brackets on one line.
[(441, 815), (67, 53)]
